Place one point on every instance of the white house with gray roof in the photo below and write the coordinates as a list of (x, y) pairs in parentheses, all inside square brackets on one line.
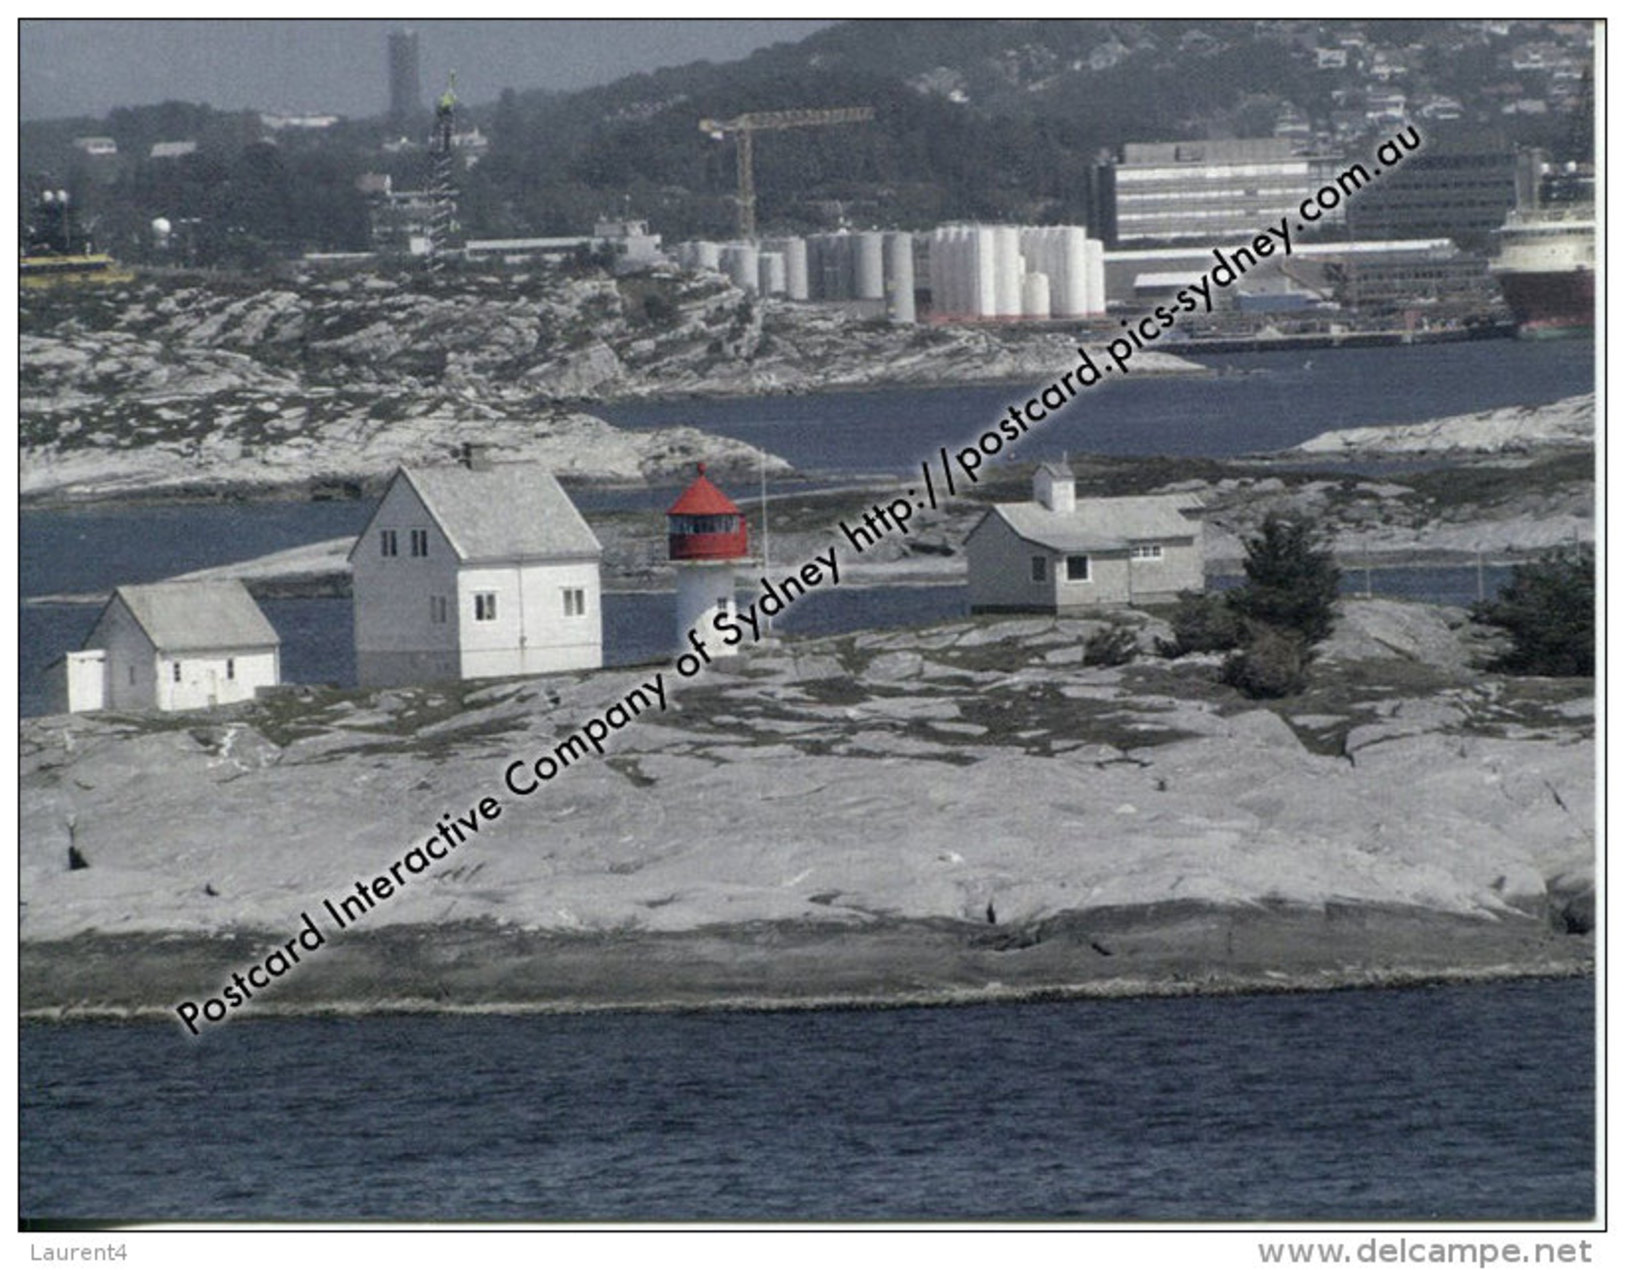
[(474, 571), (1058, 554), (173, 646)]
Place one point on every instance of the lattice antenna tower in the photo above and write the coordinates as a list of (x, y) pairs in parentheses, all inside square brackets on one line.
[(443, 176)]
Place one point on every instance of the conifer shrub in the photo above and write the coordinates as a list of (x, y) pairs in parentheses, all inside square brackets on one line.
[(1549, 609), (1202, 624), (1275, 663), (1292, 579)]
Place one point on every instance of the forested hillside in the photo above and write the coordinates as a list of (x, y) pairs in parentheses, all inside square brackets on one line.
[(990, 120)]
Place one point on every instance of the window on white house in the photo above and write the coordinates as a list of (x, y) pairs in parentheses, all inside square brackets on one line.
[(132, 676), (722, 604), (175, 671), (387, 542), (575, 601), (437, 609), (1148, 551), (231, 668), (420, 542), (1040, 568), (485, 606), (1077, 568)]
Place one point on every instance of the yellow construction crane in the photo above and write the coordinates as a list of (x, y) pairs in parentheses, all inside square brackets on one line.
[(743, 127)]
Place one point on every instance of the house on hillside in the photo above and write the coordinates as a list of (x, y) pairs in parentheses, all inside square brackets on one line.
[(473, 571), (172, 646), (1058, 553)]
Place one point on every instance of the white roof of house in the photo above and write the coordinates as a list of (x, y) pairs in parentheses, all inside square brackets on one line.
[(181, 617), (511, 511), (1101, 524)]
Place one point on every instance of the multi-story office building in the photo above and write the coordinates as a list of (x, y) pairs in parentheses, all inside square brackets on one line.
[(1209, 191), (1439, 193)]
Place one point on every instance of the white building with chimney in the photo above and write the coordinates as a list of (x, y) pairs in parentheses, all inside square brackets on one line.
[(1058, 553), (172, 646), (474, 571)]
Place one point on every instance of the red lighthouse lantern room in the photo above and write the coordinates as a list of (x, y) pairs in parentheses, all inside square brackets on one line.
[(705, 524)]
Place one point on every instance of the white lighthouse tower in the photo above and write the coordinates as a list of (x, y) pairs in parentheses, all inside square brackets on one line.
[(706, 539)]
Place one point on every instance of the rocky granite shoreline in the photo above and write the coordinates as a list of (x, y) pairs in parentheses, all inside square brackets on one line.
[(956, 813), (1169, 950)]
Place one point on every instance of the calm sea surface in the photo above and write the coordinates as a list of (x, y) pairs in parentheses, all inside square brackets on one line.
[(1260, 401), (1470, 1103)]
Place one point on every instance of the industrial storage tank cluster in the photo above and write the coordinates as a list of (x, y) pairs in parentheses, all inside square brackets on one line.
[(867, 266), (1016, 272)]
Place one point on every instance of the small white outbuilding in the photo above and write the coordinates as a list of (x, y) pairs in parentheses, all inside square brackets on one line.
[(1058, 553), (174, 646)]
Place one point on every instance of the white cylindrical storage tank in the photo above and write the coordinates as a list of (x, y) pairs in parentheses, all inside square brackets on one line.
[(1094, 276), (770, 272), (846, 266), (739, 262), (936, 272), (707, 255), (794, 251), (1007, 271), (1038, 252), (957, 272), (1035, 295), (984, 299), (1071, 298), (832, 264), (899, 269), (795, 268), (815, 267), (868, 266)]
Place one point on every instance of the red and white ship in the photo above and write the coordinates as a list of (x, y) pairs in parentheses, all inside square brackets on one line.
[(1547, 267)]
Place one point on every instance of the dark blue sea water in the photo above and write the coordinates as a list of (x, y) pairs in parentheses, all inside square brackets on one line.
[(1259, 402), (1451, 1103)]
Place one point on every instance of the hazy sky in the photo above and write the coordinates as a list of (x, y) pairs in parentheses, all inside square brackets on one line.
[(86, 67)]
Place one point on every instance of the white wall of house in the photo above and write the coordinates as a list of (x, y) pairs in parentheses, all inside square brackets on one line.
[(1159, 580), (1000, 569), (193, 681), (406, 606), (535, 628), (132, 667), (85, 676), (1105, 579)]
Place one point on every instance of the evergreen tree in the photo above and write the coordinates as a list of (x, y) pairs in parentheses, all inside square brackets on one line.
[(1291, 579), (1549, 608)]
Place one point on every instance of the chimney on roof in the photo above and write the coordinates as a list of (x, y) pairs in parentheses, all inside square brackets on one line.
[(1055, 487), (476, 456)]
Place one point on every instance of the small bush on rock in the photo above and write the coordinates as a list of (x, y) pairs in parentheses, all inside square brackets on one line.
[(1110, 646), (1275, 663), (1202, 624)]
